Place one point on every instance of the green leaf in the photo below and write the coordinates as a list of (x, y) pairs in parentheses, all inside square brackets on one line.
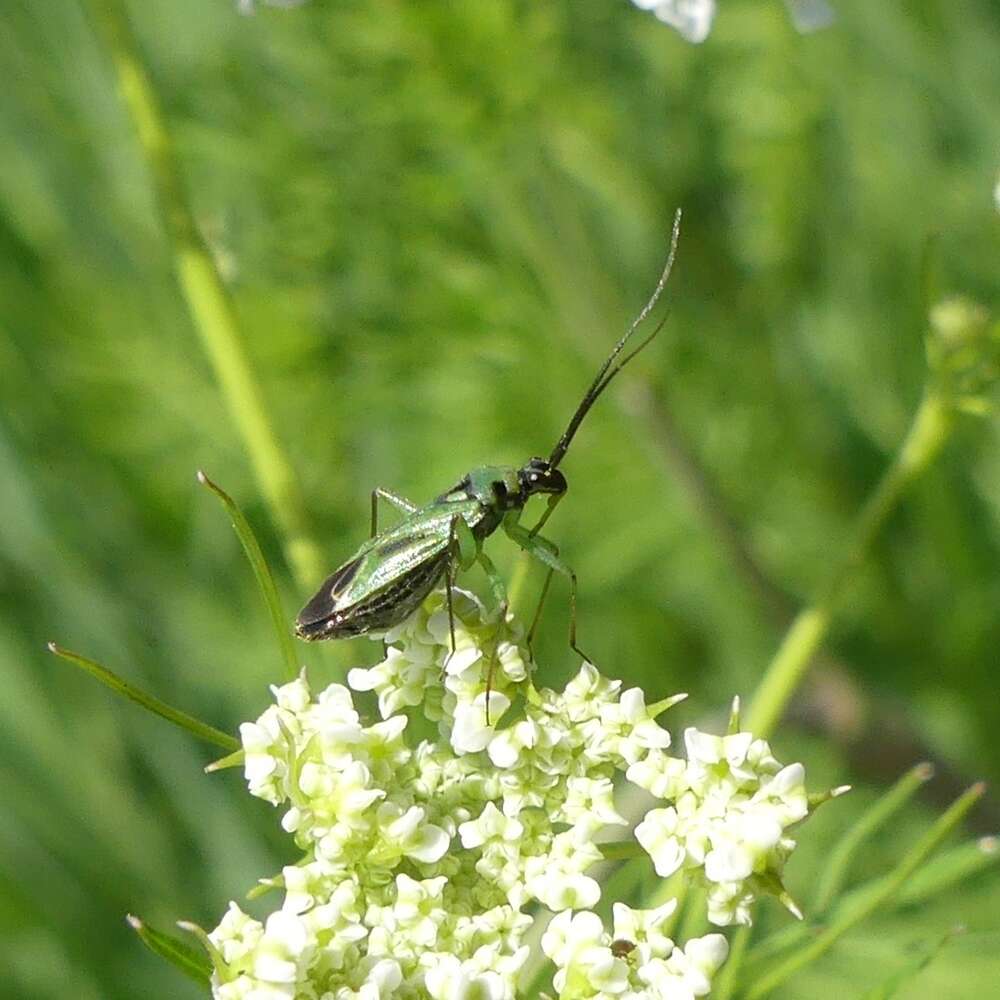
[(193, 962), (861, 905), (835, 872), (235, 759)]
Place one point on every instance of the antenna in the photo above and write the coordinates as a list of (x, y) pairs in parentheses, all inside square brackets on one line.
[(607, 372)]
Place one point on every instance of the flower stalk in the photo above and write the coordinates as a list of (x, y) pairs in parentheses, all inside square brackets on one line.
[(963, 359), (927, 435)]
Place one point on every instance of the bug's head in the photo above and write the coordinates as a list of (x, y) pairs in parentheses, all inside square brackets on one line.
[(538, 476)]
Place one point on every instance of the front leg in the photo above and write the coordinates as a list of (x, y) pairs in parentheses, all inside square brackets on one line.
[(553, 503), (547, 553), (462, 552)]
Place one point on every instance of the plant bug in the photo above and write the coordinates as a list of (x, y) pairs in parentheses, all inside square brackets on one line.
[(392, 573)]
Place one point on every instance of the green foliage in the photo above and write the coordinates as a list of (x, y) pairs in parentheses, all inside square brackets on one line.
[(433, 218)]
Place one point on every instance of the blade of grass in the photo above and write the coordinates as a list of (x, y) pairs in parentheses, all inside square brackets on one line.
[(149, 702), (863, 904), (209, 303), (192, 962), (265, 581), (835, 872), (939, 874)]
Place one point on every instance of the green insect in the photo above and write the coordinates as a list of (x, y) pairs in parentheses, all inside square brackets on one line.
[(392, 573)]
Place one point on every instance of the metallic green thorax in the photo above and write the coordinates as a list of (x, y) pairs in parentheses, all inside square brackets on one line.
[(392, 573)]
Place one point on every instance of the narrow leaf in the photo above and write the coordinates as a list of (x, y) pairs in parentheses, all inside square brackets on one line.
[(892, 985), (869, 823), (193, 962), (939, 874), (950, 868), (862, 905), (152, 704), (265, 581), (235, 759)]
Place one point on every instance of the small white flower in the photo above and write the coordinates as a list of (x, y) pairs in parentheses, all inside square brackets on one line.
[(810, 15), (448, 978), (470, 732), (691, 18), (643, 927), (657, 834), (247, 6)]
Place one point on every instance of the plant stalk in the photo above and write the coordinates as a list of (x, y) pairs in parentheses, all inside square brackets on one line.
[(213, 312), (928, 432)]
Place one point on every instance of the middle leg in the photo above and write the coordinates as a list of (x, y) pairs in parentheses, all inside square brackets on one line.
[(547, 554), (500, 600)]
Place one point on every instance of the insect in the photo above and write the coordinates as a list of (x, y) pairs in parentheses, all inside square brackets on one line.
[(392, 573)]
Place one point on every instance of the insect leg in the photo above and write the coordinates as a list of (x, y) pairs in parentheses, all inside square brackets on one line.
[(553, 501), (462, 552), (500, 597), (530, 640), (401, 503), (449, 581), (547, 553)]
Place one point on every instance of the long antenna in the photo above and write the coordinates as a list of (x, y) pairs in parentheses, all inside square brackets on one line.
[(607, 372)]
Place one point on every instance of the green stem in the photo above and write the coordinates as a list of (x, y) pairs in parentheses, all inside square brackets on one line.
[(149, 702), (211, 307), (927, 434), (865, 904), (725, 984)]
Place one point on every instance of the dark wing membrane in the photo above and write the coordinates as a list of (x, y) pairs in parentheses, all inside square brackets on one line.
[(324, 602), (418, 542)]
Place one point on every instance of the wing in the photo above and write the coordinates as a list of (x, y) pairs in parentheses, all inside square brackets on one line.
[(417, 541)]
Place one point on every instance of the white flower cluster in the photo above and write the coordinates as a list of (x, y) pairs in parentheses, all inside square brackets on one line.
[(692, 19), (638, 960), (421, 856), (732, 802)]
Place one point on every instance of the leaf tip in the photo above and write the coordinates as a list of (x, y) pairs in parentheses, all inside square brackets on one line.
[(988, 845)]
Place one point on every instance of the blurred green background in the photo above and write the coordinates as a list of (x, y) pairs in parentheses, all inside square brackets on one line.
[(434, 218)]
